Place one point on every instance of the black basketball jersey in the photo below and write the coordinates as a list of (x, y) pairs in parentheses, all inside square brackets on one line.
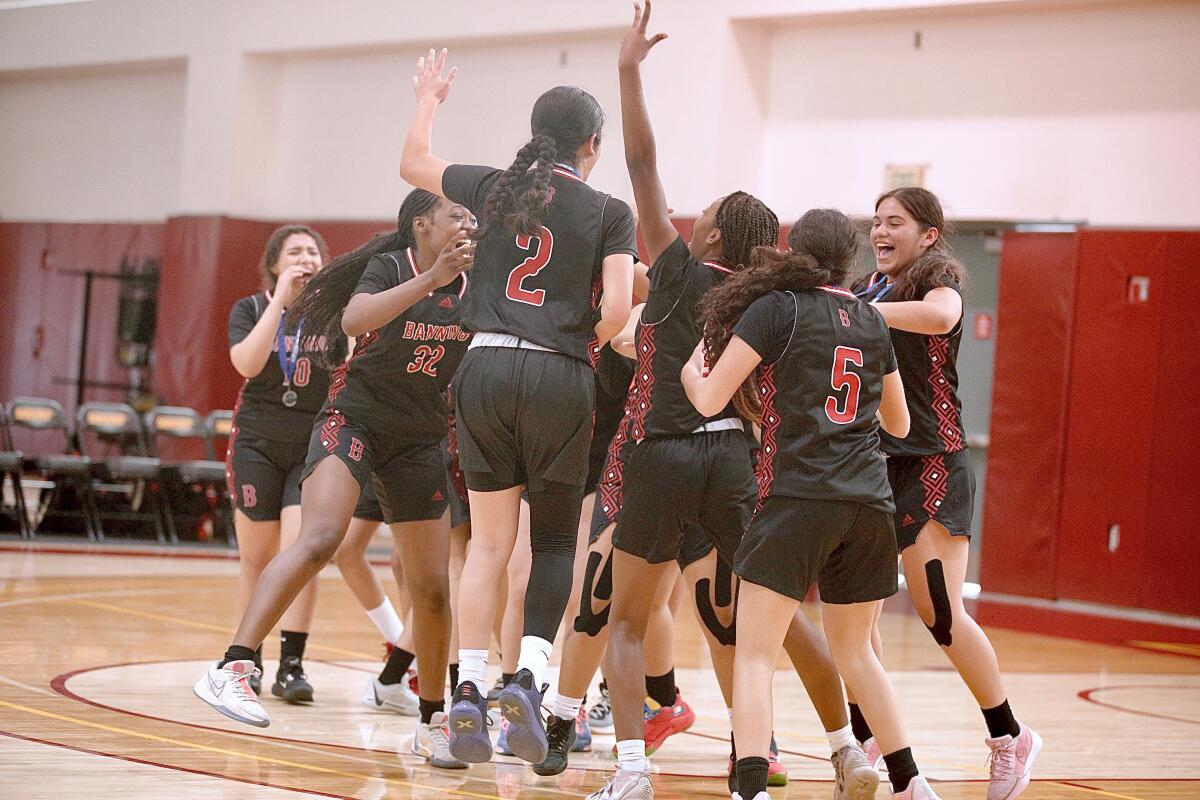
[(260, 409), (666, 336), (395, 382), (613, 373), (928, 368), (824, 355), (541, 288)]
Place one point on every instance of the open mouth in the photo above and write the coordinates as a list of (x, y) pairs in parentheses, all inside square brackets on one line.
[(883, 251)]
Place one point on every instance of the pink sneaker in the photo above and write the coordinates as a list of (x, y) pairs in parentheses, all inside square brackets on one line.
[(1010, 764), (874, 756), (918, 789)]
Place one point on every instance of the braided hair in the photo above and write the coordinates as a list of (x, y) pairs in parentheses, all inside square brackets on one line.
[(563, 120), (937, 264), (823, 249), (326, 294), (746, 223)]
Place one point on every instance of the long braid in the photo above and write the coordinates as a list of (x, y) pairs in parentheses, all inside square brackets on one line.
[(523, 214), (745, 223), (325, 296)]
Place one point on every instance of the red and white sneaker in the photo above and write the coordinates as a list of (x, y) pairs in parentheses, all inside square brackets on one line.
[(874, 755), (777, 774), (227, 689), (918, 789), (666, 721), (1010, 763)]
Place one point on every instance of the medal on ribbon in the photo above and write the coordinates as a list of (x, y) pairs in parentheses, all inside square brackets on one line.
[(288, 360)]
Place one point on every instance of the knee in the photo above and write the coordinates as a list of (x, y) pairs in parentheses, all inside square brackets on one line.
[(320, 545), (938, 612), (348, 561), (432, 594), (255, 561)]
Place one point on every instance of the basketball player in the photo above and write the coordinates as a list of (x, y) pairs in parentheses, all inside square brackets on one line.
[(383, 421), (550, 245), (918, 290), (283, 390)]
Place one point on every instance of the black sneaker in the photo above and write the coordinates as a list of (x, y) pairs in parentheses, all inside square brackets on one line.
[(291, 684), (560, 738), (256, 681)]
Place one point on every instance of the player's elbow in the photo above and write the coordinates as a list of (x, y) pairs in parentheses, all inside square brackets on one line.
[(896, 422)]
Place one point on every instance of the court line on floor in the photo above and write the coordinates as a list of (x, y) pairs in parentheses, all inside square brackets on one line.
[(235, 754), (1102, 792), (73, 596), (1086, 696), (188, 770)]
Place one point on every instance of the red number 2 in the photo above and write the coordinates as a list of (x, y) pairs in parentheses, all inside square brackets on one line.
[(529, 267), (425, 359), (843, 378)]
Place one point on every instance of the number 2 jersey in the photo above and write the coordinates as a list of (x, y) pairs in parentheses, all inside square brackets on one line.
[(260, 410), (543, 289), (824, 354), (394, 384)]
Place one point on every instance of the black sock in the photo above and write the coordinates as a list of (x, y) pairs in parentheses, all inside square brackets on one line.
[(237, 653), (901, 768), (429, 708), (396, 667), (1001, 722), (862, 731), (453, 676), (258, 658), (507, 677), (751, 776), (661, 688), (291, 643)]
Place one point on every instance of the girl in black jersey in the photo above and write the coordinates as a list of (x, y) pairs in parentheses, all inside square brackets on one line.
[(687, 468), (284, 388), (823, 368), (918, 290), (554, 271), (383, 421)]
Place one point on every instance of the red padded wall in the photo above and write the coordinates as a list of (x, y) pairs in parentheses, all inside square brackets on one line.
[(1028, 425)]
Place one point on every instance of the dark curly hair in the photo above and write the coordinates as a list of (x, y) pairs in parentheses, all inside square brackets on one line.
[(937, 264), (274, 247), (326, 294), (823, 249), (563, 119)]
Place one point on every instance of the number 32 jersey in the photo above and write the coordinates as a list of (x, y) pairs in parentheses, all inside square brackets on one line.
[(824, 354), (542, 288), (394, 384)]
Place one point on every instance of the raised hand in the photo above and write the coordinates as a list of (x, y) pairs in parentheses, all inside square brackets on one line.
[(636, 46), (456, 257), (291, 282), (428, 82)]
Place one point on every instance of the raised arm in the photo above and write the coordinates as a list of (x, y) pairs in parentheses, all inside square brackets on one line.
[(250, 355), (418, 165), (640, 154)]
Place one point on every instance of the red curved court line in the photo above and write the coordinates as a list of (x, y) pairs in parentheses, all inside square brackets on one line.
[(59, 685), (1086, 696), (161, 765)]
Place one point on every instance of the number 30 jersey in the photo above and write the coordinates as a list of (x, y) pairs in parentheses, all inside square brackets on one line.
[(394, 384), (824, 354), (542, 288)]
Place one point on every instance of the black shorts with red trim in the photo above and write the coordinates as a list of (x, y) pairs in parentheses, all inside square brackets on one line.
[(523, 417), (610, 488), (456, 481), (674, 482), (263, 475), (939, 487), (848, 548), (368, 504), (409, 478)]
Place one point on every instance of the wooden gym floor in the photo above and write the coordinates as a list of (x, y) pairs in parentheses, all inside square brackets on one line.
[(99, 647)]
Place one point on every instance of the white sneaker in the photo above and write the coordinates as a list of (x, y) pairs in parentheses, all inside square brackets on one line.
[(433, 742), (625, 785), (1010, 764), (855, 779), (394, 697), (918, 789), (227, 689), (874, 755), (759, 796)]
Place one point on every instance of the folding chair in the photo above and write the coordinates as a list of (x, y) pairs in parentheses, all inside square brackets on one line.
[(68, 476), (197, 478), (12, 464), (219, 425), (134, 480)]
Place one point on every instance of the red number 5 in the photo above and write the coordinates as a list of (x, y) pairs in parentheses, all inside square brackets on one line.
[(529, 267), (842, 378)]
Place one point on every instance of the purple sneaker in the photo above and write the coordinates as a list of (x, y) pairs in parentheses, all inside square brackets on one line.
[(469, 740), (520, 704)]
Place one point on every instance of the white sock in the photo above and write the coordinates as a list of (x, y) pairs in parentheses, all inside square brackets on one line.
[(631, 755), (472, 666), (838, 739), (567, 707), (387, 621), (535, 656)]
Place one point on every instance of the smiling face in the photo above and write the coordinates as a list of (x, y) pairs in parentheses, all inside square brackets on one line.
[(897, 238), (442, 222), (706, 236), (298, 248)]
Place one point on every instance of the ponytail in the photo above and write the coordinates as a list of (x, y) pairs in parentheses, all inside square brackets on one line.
[(523, 214), (326, 294)]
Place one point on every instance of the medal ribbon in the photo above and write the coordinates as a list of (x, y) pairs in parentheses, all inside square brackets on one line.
[(288, 359), (876, 291)]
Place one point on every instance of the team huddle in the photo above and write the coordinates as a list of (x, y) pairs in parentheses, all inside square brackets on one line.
[(530, 402)]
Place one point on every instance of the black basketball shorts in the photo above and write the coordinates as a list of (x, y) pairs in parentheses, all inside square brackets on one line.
[(368, 507), (524, 417), (847, 547), (672, 482), (938, 487), (456, 481), (409, 478), (263, 475)]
